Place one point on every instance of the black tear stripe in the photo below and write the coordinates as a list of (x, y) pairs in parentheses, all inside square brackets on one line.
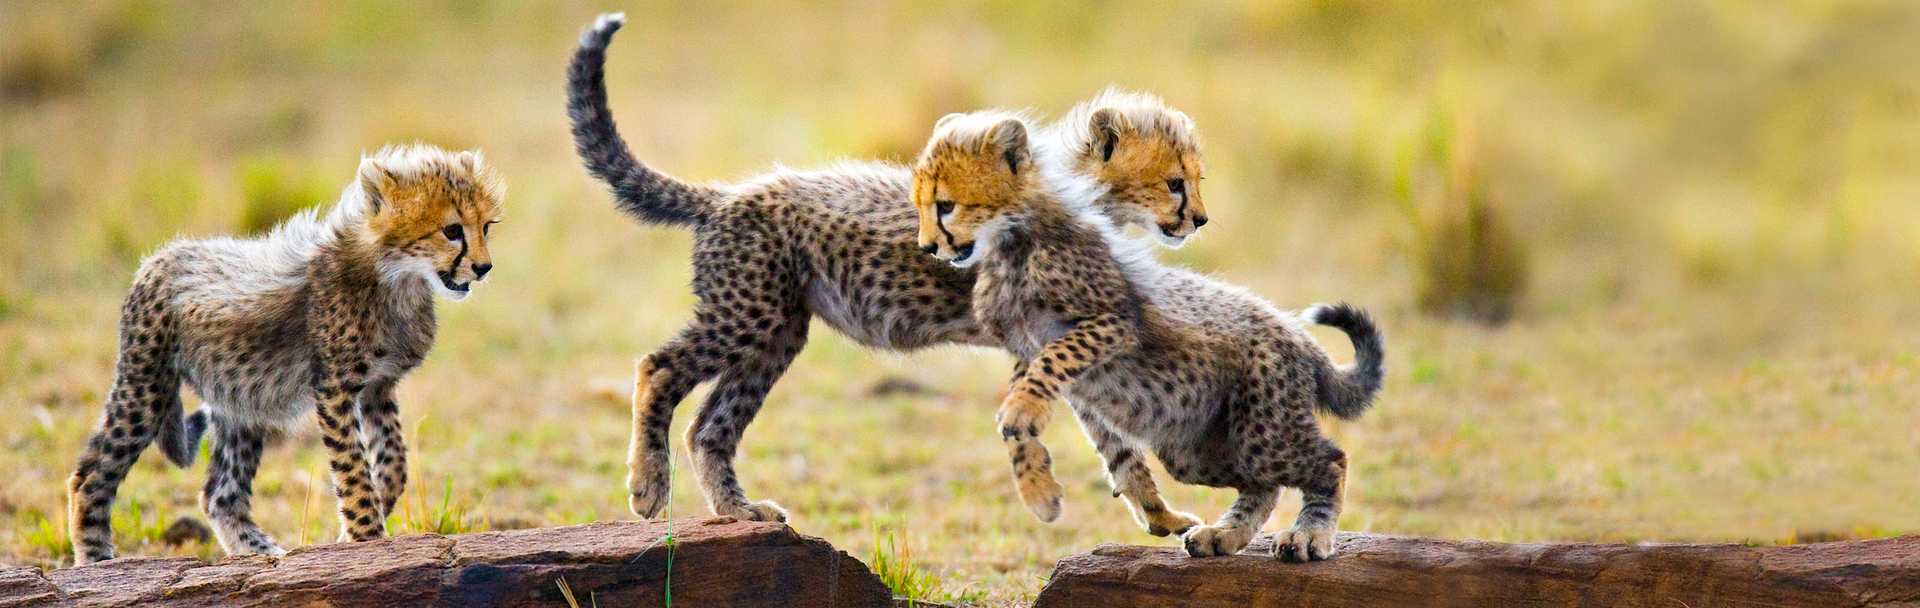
[(454, 270), (1181, 213), (941, 223)]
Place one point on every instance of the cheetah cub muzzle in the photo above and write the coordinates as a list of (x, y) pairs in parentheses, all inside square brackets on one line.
[(1215, 382), (324, 314)]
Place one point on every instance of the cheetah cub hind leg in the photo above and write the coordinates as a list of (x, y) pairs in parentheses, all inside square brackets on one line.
[(1311, 537), (1304, 543), (758, 510)]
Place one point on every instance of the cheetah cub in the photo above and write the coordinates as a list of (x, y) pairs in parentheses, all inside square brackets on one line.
[(1215, 382), (323, 314), (773, 252)]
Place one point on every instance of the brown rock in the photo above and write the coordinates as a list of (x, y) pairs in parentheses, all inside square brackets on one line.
[(512, 522), (717, 562), (21, 586), (1401, 571)]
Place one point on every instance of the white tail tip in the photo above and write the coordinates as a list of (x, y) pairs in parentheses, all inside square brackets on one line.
[(1312, 313)]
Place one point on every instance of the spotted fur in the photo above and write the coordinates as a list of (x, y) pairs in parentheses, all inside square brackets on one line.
[(770, 253), (324, 314), (1214, 381)]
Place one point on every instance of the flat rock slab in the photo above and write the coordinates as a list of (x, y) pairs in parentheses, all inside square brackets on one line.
[(716, 562), (1402, 571)]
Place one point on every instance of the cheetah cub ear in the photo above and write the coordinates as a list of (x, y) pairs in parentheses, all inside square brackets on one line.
[(1103, 132), (376, 183), (1010, 139)]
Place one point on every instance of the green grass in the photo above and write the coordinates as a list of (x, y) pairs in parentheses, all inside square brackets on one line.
[(45, 536), (419, 514), (1719, 237), (895, 566), (135, 523)]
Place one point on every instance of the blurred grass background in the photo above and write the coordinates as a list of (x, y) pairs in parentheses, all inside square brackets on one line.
[(1649, 270)]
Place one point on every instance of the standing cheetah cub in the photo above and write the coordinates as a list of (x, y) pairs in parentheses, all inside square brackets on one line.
[(324, 314), (1216, 382)]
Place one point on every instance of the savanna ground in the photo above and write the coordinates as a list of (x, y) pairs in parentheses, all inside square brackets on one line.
[(1712, 206)]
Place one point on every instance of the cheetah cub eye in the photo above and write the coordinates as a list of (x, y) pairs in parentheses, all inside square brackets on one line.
[(973, 171)]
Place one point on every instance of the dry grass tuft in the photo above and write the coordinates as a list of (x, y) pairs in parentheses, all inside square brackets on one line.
[(1471, 263)]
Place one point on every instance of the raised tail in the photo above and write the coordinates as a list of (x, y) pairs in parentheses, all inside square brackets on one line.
[(180, 436), (1347, 390), (638, 190)]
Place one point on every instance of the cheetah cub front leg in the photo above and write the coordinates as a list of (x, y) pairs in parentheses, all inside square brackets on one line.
[(1149, 510), (1130, 479), (1022, 417), (343, 365), (647, 456)]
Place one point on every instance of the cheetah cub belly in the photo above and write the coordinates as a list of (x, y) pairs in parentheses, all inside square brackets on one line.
[(1218, 384), (325, 314)]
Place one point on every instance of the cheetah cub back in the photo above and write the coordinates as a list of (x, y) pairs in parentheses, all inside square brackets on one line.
[(324, 314), (1218, 384)]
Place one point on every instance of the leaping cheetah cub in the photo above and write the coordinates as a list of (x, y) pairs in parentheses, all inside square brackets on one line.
[(1216, 382), (772, 252), (324, 314)]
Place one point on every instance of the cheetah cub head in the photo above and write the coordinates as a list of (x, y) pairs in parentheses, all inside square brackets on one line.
[(1142, 158), (975, 170), (428, 214)]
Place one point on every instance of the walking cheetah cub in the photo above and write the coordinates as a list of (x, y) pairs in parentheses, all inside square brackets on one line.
[(1216, 382), (773, 252), (324, 314)]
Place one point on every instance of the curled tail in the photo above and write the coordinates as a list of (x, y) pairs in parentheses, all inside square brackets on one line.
[(180, 436), (638, 190), (1346, 391)]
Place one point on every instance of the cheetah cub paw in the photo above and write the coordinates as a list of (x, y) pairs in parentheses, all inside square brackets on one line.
[(759, 510), (1205, 541), (1169, 521), (1301, 544), (1042, 494), (648, 492)]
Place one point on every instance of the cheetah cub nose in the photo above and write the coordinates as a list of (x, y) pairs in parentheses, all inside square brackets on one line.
[(1199, 220), (480, 271), (929, 248)]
